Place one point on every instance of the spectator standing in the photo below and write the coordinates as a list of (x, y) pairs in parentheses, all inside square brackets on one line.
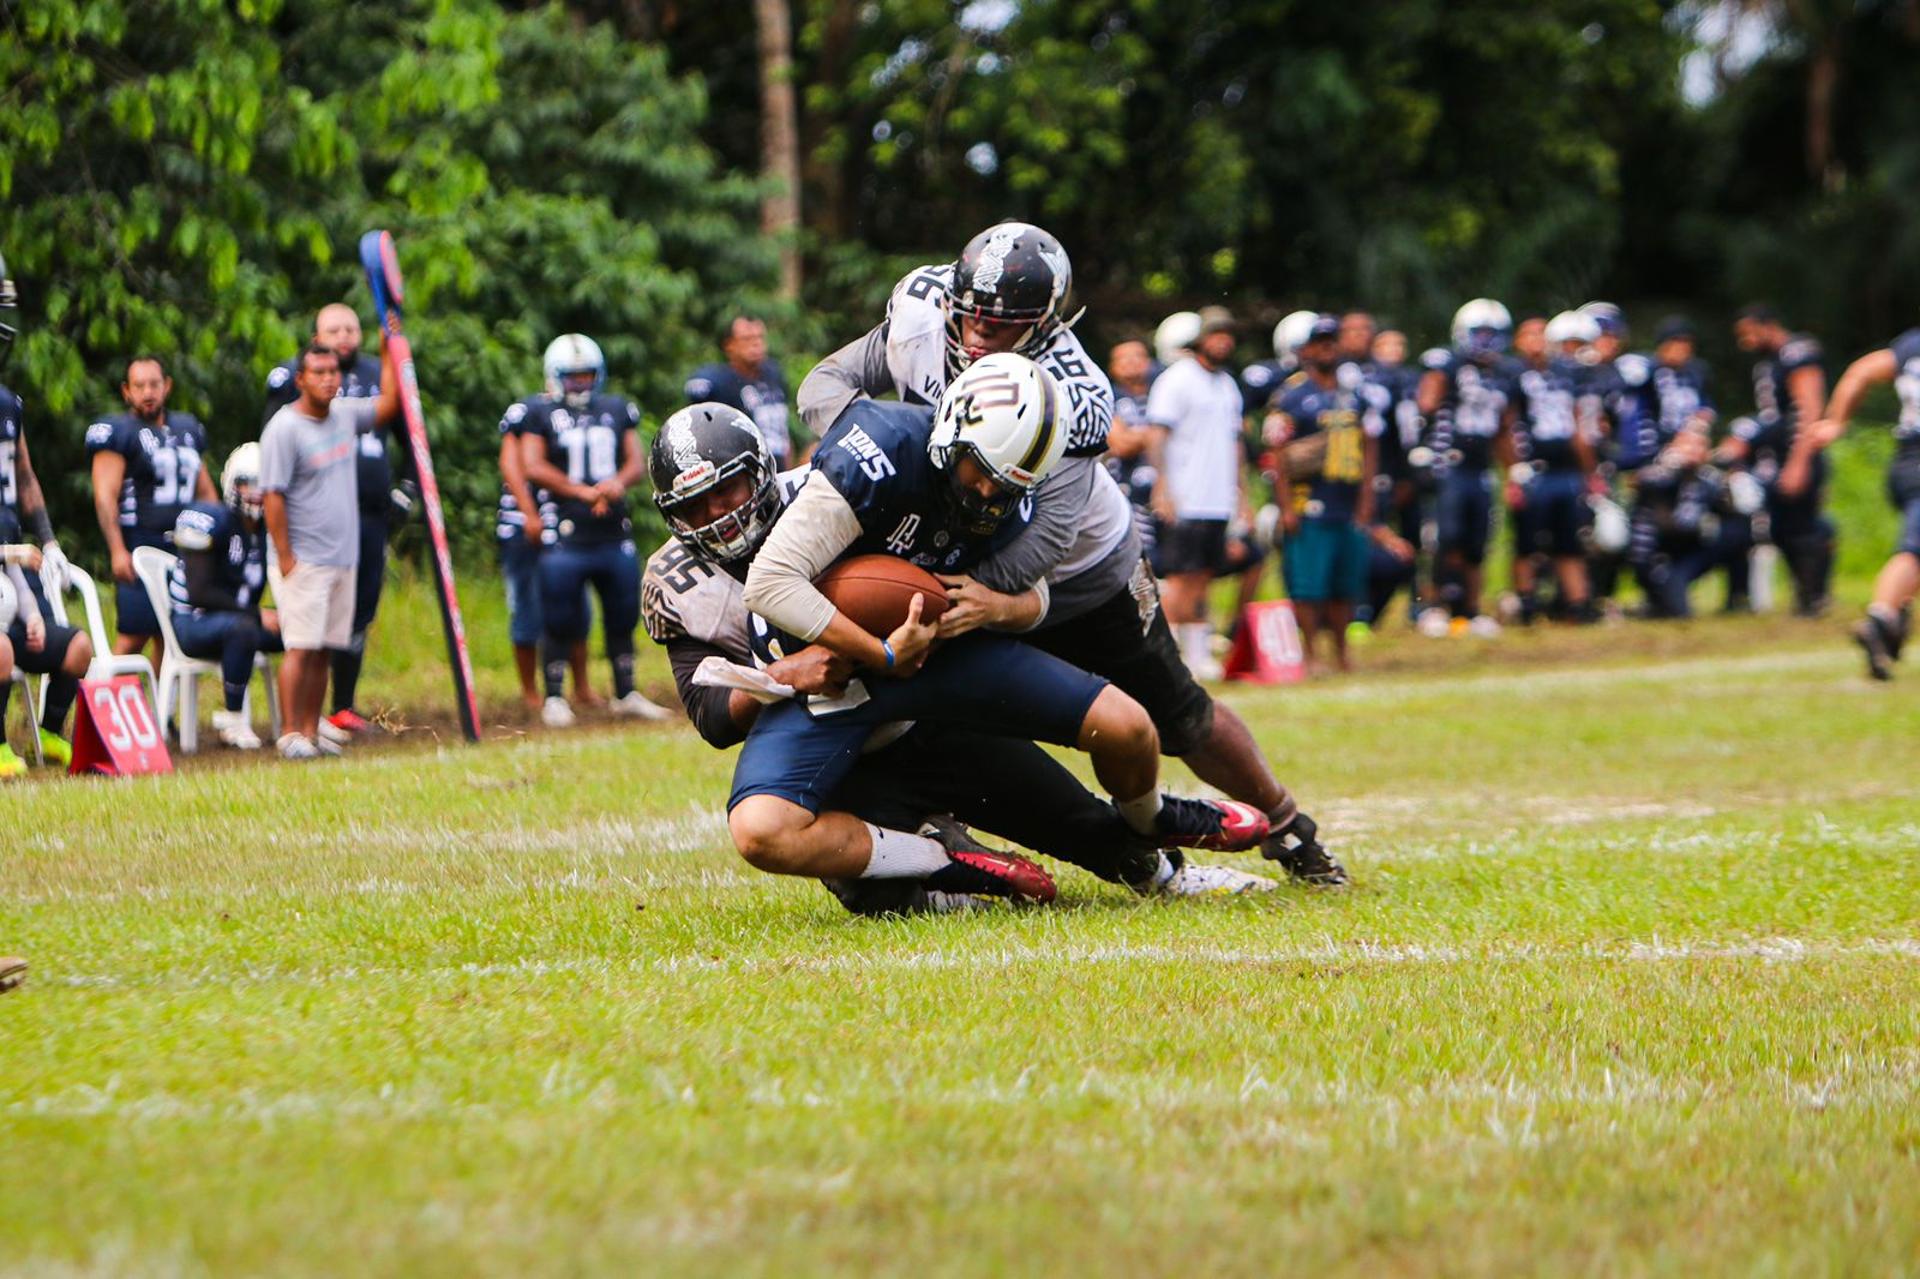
[(382, 501), (1130, 369), (216, 585), (308, 473), (750, 380), (1195, 408)]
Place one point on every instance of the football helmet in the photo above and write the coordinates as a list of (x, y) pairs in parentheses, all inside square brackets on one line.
[(1612, 321), (1013, 273), (1003, 412), (1290, 335), (240, 481), (569, 355), (1572, 326), (9, 302), (1482, 327), (1176, 335), (704, 447)]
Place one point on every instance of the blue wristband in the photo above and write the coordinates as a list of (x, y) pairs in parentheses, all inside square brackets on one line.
[(887, 648)]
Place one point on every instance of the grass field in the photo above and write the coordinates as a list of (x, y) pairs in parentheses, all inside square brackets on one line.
[(1629, 982)]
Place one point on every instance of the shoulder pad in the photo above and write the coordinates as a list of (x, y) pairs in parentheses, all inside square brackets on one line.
[(1633, 369), (1257, 375), (99, 435), (1438, 358), (633, 413), (193, 529), (1800, 350), (699, 387), (280, 376)]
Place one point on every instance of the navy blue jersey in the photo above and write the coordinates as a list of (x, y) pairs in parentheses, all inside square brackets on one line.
[(1651, 402), (762, 398), (587, 444), (240, 557), (1774, 417), (876, 458), (1259, 383), (1906, 383), (509, 520), (360, 380), (1476, 400), (12, 414), (1552, 402), (1135, 475), (1341, 413), (163, 465), (1392, 392)]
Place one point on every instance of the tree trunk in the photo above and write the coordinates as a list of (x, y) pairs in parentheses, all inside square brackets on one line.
[(779, 139), (1823, 80), (830, 176)]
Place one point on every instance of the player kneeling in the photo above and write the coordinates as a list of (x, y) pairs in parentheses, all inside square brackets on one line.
[(215, 589), (714, 480)]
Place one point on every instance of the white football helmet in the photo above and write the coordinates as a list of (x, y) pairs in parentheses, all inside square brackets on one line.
[(1003, 413), (1290, 335), (240, 481), (1482, 327), (568, 355), (1175, 335), (1611, 529), (1572, 326)]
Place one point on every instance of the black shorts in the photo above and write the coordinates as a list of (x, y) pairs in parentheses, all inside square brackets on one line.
[(49, 657), (1193, 546), (1127, 640)]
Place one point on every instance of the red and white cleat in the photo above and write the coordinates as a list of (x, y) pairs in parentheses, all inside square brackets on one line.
[(1222, 825), (982, 871)]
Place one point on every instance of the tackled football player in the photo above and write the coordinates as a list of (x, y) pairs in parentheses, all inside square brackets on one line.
[(939, 492), (1007, 292), (714, 479)]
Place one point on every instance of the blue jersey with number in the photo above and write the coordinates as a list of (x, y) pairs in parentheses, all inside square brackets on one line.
[(1552, 402), (588, 444), (1344, 415), (876, 457), (212, 528), (1775, 416), (163, 465), (1471, 409), (1906, 384), (12, 412)]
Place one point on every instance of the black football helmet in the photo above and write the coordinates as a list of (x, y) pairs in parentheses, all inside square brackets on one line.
[(9, 302), (704, 447), (1014, 273)]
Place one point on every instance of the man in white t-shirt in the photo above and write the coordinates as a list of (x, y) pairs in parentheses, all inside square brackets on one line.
[(1195, 408)]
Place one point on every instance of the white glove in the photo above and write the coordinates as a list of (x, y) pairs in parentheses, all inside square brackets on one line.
[(53, 568)]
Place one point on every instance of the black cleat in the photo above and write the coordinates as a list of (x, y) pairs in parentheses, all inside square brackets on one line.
[(1224, 825), (1297, 848), (1881, 648), (979, 871)]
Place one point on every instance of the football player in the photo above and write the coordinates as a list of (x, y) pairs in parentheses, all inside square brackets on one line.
[(1399, 485), (1327, 513), (1130, 369), (1260, 381), (521, 525), (1789, 387), (1555, 466), (384, 498), (940, 492), (40, 646), (1467, 397), (715, 482), (750, 380), (1884, 630), (580, 446), (215, 587), (1680, 501), (146, 465), (1104, 615)]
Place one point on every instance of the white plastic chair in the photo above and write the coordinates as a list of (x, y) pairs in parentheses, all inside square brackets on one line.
[(180, 674), (106, 663), (9, 607)]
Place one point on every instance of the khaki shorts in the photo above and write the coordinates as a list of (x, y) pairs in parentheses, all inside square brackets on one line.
[(316, 604)]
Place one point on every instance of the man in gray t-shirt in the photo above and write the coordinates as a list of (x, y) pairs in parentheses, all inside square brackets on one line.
[(307, 470)]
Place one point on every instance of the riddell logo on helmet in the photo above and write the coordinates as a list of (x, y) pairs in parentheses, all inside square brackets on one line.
[(993, 259)]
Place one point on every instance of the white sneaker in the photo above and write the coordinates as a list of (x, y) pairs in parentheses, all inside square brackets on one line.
[(555, 713), (636, 705), (298, 746), (328, 747), (1433, 623), (329, 735), (1485, 627), (235, 730), (1196, 879)]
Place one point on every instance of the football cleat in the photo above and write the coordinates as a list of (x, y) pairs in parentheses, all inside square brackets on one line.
[(1193, 879), (11, 765), (555, 713), (1484, 627), (1297, 847), (636, 706), (54, 748), (979, 870), (1222, 825), (235, 731), (1871, 634), (352, 722), (297, 746)]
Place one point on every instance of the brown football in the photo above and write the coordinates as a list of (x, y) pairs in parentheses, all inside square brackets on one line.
[(875, 591)]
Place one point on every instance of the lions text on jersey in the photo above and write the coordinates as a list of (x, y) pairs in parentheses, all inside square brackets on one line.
[(917, 359), (588, 445), (162, 465)]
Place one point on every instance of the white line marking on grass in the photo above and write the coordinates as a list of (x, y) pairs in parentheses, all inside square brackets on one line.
[(1531, 683)]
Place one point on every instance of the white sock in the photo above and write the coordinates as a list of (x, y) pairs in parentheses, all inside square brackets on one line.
[(1162, 873), (1193, 643), (898, 855), (1891, 616), (1140, 811)]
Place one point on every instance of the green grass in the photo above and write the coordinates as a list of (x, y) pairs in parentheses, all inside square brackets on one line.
[(1627, 983)]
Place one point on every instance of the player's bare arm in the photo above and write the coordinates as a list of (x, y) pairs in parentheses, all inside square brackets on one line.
[(109, 472)]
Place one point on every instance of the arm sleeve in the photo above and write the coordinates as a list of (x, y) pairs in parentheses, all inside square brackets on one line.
[(857, 369), (1059, 508), (25, 606), (709, 708), (816, 528)]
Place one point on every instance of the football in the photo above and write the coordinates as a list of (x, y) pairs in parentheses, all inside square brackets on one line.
[(876, 590)]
